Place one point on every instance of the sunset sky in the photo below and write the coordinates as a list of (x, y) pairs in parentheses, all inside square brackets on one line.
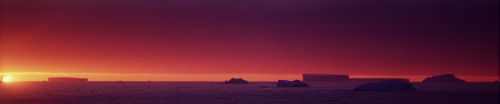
[(261, 40)]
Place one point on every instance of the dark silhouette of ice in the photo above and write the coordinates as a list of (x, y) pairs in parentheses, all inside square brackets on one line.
[(342, 77), (66, 79), (296, 83), (377, 79), (443, 78), (390, 85), (236, 81), (324, 77)]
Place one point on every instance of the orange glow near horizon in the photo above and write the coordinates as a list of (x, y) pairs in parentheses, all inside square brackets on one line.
[(180, 40), (7, 78)]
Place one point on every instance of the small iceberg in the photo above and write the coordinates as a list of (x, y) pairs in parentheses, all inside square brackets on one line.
[(236, 81), (296, 83)]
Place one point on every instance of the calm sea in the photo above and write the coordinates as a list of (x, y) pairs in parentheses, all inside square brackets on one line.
[(253, 93)]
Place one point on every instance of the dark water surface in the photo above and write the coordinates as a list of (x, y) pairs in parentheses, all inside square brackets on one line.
[(253, 93)]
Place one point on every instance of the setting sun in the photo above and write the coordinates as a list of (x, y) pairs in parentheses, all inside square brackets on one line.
[(7, 78)]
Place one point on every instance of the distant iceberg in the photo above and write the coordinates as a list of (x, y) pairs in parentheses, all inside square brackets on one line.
[(295, 83), (342, 77), (324, 77), (443, 78), (236, 81), (367, 80), (67, 79)]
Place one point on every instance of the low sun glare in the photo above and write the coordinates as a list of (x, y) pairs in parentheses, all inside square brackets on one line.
[(7, 78)]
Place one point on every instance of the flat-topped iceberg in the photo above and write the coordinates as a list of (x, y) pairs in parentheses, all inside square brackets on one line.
[(67, 79), (443, 78)]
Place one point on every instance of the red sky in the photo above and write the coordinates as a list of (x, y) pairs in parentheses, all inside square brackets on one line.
[(227, 37)]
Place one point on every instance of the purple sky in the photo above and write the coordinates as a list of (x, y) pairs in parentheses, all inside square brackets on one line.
[(366, 37)]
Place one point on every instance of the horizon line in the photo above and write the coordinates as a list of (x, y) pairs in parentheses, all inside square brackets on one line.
[(41, 76)]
